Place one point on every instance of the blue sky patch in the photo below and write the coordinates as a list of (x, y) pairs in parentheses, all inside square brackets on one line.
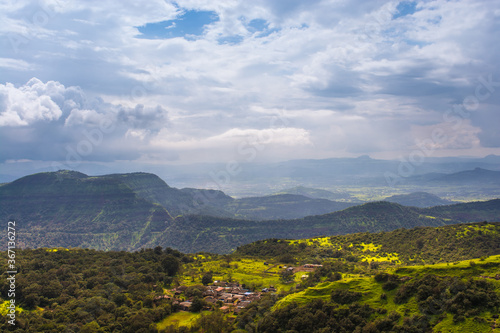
[(257, 25), (405, 8), (189, 25), (260, 28), (416, 43), (231, 40)]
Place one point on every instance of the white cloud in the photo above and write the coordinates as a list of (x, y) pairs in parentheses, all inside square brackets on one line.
[(15, 64), (84, 117), (30, 103)]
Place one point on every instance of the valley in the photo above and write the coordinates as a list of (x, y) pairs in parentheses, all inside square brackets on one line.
[(129, 253), (139, 210)]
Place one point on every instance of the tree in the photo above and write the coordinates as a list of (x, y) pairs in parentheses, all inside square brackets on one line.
[(194, 291), (343, 296), (287, 258), (207, 278), (170, 265), (198, 304), (32, 296), (91, 327), (52, 289), (374, 265), (286, 276), (158, 250), (213, 322)]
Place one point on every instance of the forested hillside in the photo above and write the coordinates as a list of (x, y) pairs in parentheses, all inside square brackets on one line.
[(409, 280), (128, 212), (71, 209), (423, 245)]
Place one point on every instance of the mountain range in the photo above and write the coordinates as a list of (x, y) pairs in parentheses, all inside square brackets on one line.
[(130, 211), (333, 174)]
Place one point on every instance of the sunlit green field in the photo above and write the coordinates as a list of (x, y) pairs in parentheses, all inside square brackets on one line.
[(468, 268), (253, 273), (181, 318), (458, 194)]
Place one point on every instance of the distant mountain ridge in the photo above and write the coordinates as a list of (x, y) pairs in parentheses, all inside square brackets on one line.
[(477, 176), (418, 199), (130, 211), (283, 206), (313, 172)]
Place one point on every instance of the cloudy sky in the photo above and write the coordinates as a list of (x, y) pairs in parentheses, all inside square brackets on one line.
[(189, 81)]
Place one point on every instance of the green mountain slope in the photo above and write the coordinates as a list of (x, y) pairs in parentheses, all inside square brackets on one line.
[(177, 202), (466, 212), (403, 246), (205, 233), (71, 209), (129, 211), (417, 280), (190, 201)]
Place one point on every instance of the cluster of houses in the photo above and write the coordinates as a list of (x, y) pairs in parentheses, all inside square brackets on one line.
[(230, 296)]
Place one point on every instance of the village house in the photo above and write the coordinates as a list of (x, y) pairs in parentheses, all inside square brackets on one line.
[(271, 289), (185, 306), (232, 296), (226, 298), (209, 292), (243, 304), (162, 297), (211, 299), (225, 309), (236, 290)]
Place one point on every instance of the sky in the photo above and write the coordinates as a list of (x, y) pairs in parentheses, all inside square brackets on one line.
[(192, 81)]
